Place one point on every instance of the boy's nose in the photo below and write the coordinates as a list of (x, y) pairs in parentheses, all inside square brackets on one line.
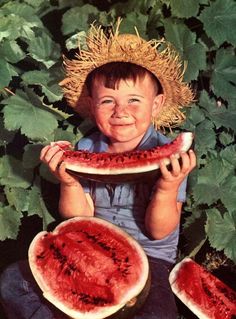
[(120, 108)]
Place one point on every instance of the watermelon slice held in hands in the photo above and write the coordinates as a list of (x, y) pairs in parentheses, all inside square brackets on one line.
[(90, 269), (204, 294), (127, 166)]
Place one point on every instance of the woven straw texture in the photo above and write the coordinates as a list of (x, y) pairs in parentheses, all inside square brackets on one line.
[(157, 56)]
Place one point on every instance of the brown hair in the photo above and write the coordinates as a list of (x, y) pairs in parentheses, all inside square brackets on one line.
[(110, 74)]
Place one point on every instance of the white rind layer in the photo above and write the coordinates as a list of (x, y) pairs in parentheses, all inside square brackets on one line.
[(187, 139), (181, 294)]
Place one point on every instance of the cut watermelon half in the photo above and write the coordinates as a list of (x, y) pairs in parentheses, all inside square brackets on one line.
[(203, 293)]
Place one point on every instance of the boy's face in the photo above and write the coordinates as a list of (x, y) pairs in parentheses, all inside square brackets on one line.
[(124, 114)]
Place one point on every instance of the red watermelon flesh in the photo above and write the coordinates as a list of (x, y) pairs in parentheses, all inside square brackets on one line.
[(203, 293), (87, 267), (132, 162)]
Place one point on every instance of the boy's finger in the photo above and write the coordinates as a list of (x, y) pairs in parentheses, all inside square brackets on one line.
[(185, 162), (175, 165), (54, 160), (193, 159), (163, 168), (44, 152)]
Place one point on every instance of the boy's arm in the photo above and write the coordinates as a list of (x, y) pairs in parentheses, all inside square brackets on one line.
[(73, 200), (163, 212)]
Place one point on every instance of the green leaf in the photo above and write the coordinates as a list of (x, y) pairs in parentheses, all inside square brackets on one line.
[(12, 51), (43, 49), (83, 16), (22, 10), (37, 206), (210, 180), (217, 113), (229, 154), (228, 191), (9, 222), (6, 73), (181, 10), (72, 42), (31, 155), (195, 115), (13, 27), (17, 197), (48, 84), (13, 174), (221, 231), (5, 135), (226, 138), (133, 20), (223, 79), (66, 135), (22, 111), (219, 21), (205, 136), (185, 42)]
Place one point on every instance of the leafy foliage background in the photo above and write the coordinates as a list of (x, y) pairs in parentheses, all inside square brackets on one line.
[(33, 36)]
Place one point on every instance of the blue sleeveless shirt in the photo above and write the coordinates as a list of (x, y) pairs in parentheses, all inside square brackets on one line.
[(125, 204)]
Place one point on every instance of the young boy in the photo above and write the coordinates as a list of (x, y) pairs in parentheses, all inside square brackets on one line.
[(124, 84)]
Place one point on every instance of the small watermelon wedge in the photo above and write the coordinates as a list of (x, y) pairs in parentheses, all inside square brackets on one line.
[(203, 293)]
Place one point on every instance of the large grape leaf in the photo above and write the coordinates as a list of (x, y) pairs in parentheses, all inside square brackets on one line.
[(31, 155), (133, 20), (42, 48), (205, 137), (79, 37), (226, 138), (13, 27), (37, 206), (181, 10), (23, 10), (83, 16), (23, 111), (223, 79), (229, 154), (5, 135), (17, 197), (221, 231), (210, 180), (217, 113), (13, 174), (11, 51), (49, 85), (228, 193), (7, 71), (9, 222), (185, 42), (219, 21)]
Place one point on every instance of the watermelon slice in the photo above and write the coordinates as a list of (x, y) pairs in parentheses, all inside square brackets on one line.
[(126, 166), (204, 294)]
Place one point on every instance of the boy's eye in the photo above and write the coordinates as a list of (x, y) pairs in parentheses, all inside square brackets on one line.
[(133, 100), (107, 102)]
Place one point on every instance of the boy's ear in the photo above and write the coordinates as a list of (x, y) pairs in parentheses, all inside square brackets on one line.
[(157, 104)]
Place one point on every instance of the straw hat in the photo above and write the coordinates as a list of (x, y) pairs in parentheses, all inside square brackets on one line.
[(157, 56)]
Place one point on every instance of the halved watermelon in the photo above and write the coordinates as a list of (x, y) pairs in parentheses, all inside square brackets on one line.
[(90, 269), (203, 293)]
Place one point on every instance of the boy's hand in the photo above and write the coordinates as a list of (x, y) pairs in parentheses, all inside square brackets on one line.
[(51, 155), (172, 177)]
